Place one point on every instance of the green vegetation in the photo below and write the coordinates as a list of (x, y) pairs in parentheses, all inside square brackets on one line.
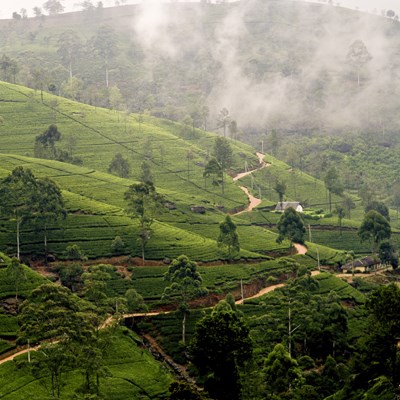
[(87, 189)]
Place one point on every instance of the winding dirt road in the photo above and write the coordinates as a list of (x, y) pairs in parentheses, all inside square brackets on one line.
[(253, 201), (300, 248)]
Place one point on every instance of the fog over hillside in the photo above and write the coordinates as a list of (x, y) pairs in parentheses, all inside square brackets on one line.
[(277, 71)]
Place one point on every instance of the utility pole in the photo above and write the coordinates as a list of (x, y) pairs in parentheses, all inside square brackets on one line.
[(241, 290), (309, 233)]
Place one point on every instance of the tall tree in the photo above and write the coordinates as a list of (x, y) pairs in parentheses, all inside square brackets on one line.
[(146, 176), (69, 49), (282, 372), (186, 284), (374, 229), (349, 205), (379, 207), (53, 6), (223, 154), (223, 120), (48, 206), (213, 169), (9, 68), (340, 212), (105, 44), (143, 204), (291, 227), (358, 56), (388, 253), (333, 184), (53, 312), (228, 237), (280, 188), (45, 144), (220, 346), (16, 274), (119, 166), (17, 191)]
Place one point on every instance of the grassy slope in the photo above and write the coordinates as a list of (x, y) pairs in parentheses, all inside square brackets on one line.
[(97, 198), (133, 374)]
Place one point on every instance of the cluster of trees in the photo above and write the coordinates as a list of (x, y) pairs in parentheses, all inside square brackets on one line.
[(45, 146), (54, 7), (143, 204), (300, 347), (219, 163), (71, 327), (26, 199)]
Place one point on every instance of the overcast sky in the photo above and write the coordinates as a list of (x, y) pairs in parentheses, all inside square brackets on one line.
[(8, 6)]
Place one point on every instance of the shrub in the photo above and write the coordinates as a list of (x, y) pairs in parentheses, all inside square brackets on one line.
[(73, 252), (117, 245)]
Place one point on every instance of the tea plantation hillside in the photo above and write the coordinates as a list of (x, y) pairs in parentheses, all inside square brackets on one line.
[(176, 156), (95, 200)]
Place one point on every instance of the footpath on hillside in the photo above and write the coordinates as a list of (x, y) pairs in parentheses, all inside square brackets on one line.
[(253, 201)]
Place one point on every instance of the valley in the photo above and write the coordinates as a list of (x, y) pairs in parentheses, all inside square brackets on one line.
[(200, 201)]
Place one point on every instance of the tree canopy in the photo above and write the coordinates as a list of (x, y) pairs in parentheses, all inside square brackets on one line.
[(186, 284), (228, 237), (374, 228), (291, 227), (221, 344)]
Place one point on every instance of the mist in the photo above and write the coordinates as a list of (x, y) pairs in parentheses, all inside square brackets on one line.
[(268, 85)]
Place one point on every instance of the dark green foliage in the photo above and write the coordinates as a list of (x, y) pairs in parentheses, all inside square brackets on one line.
[(16, 274), (48, 206), (340, 212), (117, 245), (282, 372), (143, 203), (134, 301), (374, 228), (45, 144), (119, 166), (16, 192), (50, 312), (388, 253), (291, 227), (70, 276), (186, 284), (74, 252), (228, 237), (223, 153), (220, 346), (280, 189), (184, 391), (379, 207), (213, 169)]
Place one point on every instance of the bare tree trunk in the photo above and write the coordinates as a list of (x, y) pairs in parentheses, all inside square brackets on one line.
[(18, 224), (184, 328), (45, 244)]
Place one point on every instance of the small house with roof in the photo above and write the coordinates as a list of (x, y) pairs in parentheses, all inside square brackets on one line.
[(365, 264), (281, 207)]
